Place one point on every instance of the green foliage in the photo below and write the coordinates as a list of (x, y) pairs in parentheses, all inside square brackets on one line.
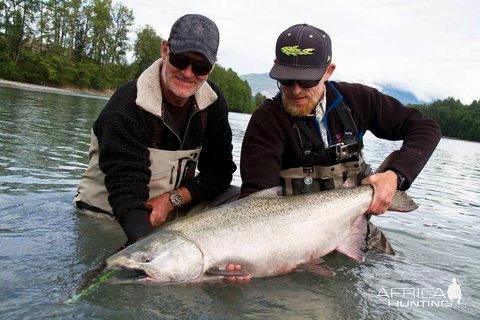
[(237, 91), (147, 49), (455, 119), (259, 99), (76, 43), (83, 44)]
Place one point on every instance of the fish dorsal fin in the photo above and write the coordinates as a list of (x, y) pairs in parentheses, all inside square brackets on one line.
[(268, 193), (354, 245)]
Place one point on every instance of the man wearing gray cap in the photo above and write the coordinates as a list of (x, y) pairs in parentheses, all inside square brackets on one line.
[(147, 141), (308, 138)]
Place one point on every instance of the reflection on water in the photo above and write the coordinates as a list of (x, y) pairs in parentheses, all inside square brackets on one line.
[(47, 249)]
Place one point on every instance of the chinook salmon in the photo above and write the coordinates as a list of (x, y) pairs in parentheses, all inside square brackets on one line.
[(266, 234)]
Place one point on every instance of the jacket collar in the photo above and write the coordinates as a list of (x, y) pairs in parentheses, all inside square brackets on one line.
[(334, 97), (149, 93)]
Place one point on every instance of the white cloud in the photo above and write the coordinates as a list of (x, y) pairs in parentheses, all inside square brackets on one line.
[(428, 47)]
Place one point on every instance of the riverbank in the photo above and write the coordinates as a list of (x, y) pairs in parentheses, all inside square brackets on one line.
[(35, 87)]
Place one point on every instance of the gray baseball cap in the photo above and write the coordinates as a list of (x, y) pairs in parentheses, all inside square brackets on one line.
[(302, 52), (194, 32)]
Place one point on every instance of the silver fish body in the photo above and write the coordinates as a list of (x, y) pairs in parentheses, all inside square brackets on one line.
[(266, 234)]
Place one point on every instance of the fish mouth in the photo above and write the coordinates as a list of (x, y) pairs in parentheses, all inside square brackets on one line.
[(135, 274), (128, 270)]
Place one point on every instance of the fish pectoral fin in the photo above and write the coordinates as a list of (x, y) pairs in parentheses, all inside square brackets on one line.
[(355, 244), (215, 271), (316, 268)]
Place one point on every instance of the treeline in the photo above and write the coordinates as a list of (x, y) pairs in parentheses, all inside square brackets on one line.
[(65, 42), (455, 119), (84, 44), (237, 91)]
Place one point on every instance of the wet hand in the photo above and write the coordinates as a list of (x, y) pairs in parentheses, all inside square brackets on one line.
[(385, 186), (161, 207), (237, 279)]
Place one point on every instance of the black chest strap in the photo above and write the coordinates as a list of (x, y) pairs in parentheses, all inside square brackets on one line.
[(313, 149), (350, 129)]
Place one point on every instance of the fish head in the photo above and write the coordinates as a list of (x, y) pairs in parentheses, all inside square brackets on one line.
[(163, 257)]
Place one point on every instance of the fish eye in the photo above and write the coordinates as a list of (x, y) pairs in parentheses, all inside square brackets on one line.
[(142, 257)]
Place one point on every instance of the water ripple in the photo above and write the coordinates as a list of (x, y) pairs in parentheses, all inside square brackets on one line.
[(47, 248)]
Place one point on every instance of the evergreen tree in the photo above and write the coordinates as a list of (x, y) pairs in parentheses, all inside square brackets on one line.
[(237, 91), (455, 119), (259, 99), (147, 49)]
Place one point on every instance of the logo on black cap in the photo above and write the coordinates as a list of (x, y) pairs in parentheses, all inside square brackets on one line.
[(303, 52)]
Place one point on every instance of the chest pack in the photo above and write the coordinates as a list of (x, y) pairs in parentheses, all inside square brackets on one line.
[(324, 167)]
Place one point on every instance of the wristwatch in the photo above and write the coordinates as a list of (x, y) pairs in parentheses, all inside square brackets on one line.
[(176, 199), (400, 180)]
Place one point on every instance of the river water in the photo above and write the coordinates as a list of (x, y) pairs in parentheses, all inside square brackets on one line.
[(47, 249)]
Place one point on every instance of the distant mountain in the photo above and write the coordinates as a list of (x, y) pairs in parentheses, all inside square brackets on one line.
[(261, 82), (404, 97)]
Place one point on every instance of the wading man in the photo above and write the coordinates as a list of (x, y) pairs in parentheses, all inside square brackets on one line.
[(156, 131), (308, 138)]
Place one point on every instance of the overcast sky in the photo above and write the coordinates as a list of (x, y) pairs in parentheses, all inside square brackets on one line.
[(428, 47)]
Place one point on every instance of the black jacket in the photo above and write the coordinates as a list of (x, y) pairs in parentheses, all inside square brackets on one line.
[(124, 131), (271, 145)]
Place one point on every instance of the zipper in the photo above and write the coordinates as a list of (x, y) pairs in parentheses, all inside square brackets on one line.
[(182, 141), (173, 131), (188, 127)]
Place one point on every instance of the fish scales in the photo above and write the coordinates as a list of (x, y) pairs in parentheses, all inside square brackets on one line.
[(266, 234)]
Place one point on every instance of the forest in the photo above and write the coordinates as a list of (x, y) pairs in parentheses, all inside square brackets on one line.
[(85, 44), (456, 120)]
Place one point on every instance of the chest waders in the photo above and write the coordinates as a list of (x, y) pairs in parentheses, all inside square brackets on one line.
[(168, 170)]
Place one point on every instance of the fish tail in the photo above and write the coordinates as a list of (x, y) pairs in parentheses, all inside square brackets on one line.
[(402, 202)]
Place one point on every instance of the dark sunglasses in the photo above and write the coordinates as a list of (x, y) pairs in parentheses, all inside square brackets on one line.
[(181, 62), (302, 83)]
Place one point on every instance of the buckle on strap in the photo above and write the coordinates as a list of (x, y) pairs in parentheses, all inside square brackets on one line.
[(342, 151)]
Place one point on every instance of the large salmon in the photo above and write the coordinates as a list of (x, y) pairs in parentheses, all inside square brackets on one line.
[(265, 233)]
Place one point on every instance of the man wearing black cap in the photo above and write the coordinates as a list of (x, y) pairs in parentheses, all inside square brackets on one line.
[(308, 138), (147, 141)]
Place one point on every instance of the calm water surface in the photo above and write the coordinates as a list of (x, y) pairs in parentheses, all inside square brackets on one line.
[(47, 249)]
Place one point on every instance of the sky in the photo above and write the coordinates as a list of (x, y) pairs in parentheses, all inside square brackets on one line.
[(428, 47)]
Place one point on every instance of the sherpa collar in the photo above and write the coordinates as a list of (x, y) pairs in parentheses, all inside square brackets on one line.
[(149, 94)]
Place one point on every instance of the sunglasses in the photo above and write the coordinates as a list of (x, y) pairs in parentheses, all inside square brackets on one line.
[(302, 83), (181, 62)]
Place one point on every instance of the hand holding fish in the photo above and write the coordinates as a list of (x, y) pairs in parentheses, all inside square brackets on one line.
[(161, 207), (385, 185), (237, 279)]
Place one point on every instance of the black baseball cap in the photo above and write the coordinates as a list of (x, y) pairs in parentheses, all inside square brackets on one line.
[(303, 52), (194, 32)]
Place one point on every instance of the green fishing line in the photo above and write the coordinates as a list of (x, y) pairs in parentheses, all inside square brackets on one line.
[(86, 291)]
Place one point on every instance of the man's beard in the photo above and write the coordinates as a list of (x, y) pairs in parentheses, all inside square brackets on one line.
[(296, 110)]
